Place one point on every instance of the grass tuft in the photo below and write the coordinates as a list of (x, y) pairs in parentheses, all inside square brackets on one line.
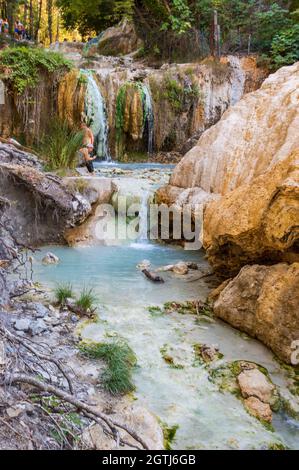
[(60, 146), (120, 360), (87, 300), (63, 292)]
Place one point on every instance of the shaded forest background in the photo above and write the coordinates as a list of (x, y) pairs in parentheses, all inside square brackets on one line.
[(171, 29)]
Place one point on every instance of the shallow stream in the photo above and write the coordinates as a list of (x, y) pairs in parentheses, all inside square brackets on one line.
[(186, 397)]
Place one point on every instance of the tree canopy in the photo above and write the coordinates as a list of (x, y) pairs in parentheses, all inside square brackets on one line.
[(173, 29)]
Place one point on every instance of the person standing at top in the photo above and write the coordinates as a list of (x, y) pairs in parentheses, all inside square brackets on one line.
[(6, 27), (1, 25), (18, 30)]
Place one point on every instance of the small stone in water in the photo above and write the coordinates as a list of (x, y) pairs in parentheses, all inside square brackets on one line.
[(145, 264), (50, 258)]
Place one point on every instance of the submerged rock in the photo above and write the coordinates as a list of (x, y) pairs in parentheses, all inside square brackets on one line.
[(181, 269), (257, 408), (254, 383), (145, 264), (208, 353)]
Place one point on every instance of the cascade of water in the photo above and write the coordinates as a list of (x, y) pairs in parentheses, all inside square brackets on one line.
[(143, 217), (149, 117), (237, 80), (96, 114)]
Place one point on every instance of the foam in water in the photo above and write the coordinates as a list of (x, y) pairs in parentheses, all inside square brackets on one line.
[(95, 110)]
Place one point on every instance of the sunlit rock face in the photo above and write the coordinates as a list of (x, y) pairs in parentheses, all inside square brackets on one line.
[(160, 109), (71, 97), (257, 221), (250, 158), (257, 132), (263, 302)]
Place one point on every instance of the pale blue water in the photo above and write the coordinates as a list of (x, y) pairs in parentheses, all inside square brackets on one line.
[(186, 397), (112, 272), (132, 166)]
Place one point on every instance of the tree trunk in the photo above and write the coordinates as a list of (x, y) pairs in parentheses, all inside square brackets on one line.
[(31, 15), (58, 27), (39, 18), (50, 19)]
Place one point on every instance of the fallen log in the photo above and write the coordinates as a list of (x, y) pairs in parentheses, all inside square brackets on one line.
[(153, 277)]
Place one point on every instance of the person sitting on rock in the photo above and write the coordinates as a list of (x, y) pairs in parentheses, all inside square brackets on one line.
[(88, 137), (86, 153)]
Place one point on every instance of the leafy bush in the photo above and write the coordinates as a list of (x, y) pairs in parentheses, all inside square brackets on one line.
[(285, 47), (63, 292), (60, 146), (22, 65), (120, 360)]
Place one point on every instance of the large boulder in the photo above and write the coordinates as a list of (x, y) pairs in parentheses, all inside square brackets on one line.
[(14, 153), (117, 40), (263, 302), (37, 208), (259, 131), (257, 221)]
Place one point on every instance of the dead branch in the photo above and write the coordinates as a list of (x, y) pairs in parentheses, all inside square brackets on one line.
[(5, 332), (112, 425), (153, 277), (79, 311)]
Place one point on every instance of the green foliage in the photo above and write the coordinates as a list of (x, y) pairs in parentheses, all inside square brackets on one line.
[(22, 66), (63, 292), (285, 47), (169, 433), (120, 360), (165, 353), (176, 90), (60, 146), (180, 19), (87, 300), (155, 311), (173, 28), (269, 22), (94, 15)]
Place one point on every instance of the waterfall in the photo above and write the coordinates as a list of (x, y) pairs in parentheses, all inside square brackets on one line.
[(237, 80), (95, 110), (149, 117), (143, 217)]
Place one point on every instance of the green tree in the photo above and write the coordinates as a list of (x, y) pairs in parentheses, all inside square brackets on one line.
[(285, 47)]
